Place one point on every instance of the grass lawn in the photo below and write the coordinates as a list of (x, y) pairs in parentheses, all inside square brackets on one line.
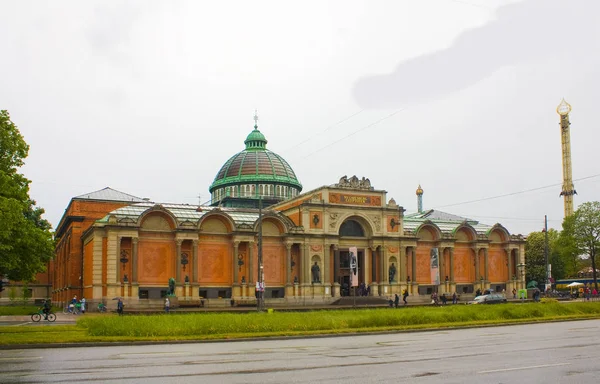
[(206, 326)]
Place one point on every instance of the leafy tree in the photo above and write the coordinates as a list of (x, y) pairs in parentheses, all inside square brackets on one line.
[(584, 229), (535, 259), (567, 248), (26, 243)]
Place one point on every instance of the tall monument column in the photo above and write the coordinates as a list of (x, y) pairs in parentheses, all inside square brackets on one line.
[(568, 189)]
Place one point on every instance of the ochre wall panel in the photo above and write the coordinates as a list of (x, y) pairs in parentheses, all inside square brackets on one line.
[(423, 263), (498, 270), (155, 261), (88, 250), (215, 263), (463, 264), (274, 261)]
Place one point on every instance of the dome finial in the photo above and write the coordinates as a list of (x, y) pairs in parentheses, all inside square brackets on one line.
[(255, 119)]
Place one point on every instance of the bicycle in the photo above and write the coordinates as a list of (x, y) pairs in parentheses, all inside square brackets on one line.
[(36, 317), (101, 307), (72, 309)]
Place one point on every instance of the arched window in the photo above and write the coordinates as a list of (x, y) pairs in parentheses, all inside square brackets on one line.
[(351, 228)]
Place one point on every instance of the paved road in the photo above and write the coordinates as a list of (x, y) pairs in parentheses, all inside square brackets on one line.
[(545, 353)]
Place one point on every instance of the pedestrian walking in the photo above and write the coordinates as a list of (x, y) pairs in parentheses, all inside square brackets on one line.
[(396, 300), (404, 296), (167, 305), (454, 298), (83, 305)]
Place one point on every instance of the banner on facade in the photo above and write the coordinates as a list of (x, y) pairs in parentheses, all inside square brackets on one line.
[(435, 262), (353, 257)]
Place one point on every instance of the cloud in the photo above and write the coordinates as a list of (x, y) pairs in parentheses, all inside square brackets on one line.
[(525, 32)]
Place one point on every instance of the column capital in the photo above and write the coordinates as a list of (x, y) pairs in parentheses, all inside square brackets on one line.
[(195, 243), (135, 240), (178, 241), (288, 246), (236, 243)]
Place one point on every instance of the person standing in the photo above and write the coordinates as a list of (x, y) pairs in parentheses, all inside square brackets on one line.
[(396, 300), (83, 305), (120, 307), (404, 296), (514, 292), (167, 305), (454, 298)]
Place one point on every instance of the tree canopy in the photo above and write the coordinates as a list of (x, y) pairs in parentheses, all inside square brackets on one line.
[(583, 230), (535, 258), (26, 243)]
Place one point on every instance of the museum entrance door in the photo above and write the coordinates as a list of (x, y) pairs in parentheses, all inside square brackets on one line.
[(344, 272)]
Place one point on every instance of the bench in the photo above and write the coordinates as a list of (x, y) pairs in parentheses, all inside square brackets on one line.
[(191, 304), (245, 303)]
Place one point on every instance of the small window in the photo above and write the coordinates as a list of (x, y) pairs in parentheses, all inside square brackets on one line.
[(203, 293), (222, 294), (143, 294)]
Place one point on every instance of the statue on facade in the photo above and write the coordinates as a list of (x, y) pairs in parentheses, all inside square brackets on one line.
[(296, 279), (171, 287), (392, 272), (316, 273), (187, 279), (243, 279)]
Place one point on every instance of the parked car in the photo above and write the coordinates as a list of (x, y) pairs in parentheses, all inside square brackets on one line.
[(492, 298)]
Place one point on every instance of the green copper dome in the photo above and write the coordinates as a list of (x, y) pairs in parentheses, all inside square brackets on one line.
[(252, 167)]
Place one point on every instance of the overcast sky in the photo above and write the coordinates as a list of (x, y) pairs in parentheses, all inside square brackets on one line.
[(151, 98)]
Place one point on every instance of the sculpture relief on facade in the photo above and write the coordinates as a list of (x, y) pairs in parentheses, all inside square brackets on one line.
[(333, 219), (354, 183), (377, 222), (316, 247)]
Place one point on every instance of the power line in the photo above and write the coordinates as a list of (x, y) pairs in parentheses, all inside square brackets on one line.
[(357, 131), (325, 130), (514, 193)]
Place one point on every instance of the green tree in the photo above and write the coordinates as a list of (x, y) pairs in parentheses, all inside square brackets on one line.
[(535, 259), (26, 243), (584, 228), (568, 250)]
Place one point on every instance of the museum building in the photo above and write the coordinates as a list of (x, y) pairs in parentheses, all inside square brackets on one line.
[(111, 244)]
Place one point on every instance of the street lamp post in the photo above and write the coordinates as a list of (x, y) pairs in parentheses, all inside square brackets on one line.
[(261, 285)]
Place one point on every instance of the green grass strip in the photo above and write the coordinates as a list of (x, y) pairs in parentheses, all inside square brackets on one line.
[(206, 326)]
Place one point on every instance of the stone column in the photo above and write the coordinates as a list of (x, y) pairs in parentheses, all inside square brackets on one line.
[(234, 262), (306, 264), (235, 289), (477, 271), (413, 258), (485, 265), (119, 264), (402, 267), (289, 289), (509, 264), (442, 270), (451, 265), (374, 287), (373, 264), (112, 265), (135, 287), (195, 269), (250, 278), (326, 262), (177, 262), (288, 263), (336, 271), (196, 266)]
